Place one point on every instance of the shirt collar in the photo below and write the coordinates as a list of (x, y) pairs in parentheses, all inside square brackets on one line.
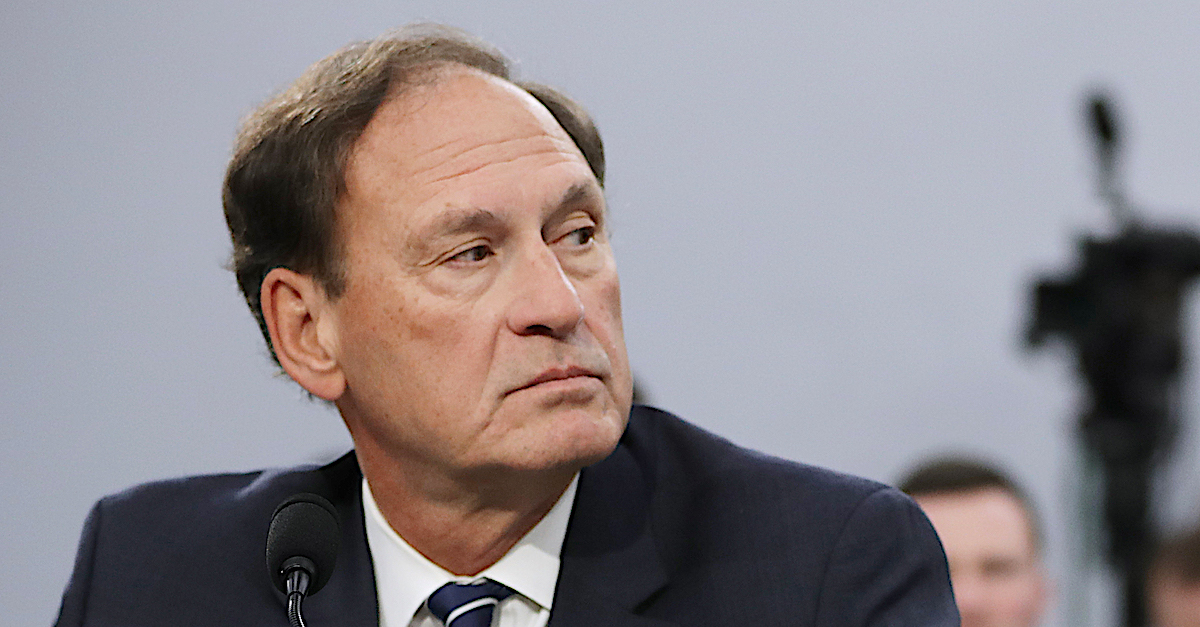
[(404, 578)]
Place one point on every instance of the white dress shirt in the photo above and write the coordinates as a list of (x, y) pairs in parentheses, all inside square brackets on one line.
[(404, 578)]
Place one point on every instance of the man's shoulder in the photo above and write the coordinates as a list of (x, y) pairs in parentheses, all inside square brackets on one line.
[(696, 482), (168, 539), (220, 497), (678, 447), (714, 518), (206, 519)]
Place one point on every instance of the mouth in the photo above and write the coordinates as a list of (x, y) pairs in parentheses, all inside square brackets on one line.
[(559, 373)]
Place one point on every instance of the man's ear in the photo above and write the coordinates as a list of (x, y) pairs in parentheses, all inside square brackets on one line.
[(300, 320)]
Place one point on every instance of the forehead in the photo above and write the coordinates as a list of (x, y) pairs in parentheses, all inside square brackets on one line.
[(457, 123), (987, 519)]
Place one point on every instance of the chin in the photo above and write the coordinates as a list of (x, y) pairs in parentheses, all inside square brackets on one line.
[(577, 440), (596, 440)]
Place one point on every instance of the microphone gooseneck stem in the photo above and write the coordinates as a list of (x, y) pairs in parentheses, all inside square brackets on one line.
[(297, 586), (294, 615)]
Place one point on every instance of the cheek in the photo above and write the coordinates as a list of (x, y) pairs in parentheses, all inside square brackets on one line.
[(1030, 595), (607, 295), (449, 347), (603, 307), (389, 330), (606, 325)]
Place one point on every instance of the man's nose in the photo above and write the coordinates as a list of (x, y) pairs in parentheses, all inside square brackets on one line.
[(545, 301)]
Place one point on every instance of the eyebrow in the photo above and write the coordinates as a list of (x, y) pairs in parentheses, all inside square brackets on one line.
[(576, 194), (460, 220), (579, 193)]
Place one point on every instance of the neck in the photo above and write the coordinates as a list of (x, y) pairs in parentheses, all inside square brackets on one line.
[(462, 523)]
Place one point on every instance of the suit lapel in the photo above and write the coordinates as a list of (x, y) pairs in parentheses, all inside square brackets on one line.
[(610, 563), (348, 599)]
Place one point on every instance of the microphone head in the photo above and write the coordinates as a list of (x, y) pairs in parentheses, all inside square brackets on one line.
[(304, 525)]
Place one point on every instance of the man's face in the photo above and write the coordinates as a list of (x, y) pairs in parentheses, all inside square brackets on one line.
[(994, 564), (480, 327)]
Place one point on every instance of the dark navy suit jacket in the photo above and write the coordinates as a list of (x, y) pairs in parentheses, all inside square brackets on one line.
[(676, 527)]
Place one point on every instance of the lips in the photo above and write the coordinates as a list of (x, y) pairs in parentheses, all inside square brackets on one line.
[(557, 374)]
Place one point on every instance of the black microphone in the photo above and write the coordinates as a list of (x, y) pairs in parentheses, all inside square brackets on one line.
[(302, 547)]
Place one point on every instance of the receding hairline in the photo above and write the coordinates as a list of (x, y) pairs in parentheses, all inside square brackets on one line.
[(401, 103), (399, 109), (424, 81)]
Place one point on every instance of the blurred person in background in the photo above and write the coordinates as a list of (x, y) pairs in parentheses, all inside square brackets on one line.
[(992, 538), (1174, 583)]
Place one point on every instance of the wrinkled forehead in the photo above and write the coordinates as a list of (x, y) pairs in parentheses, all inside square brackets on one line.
[(462, 139), (457, 114)]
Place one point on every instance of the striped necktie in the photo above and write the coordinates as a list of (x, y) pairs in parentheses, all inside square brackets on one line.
[(470, 605)]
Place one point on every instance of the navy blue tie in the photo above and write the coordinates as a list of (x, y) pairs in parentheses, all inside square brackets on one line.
[(469, 605)]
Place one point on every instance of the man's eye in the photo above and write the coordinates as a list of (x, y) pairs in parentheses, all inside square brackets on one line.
[(998, 568), (581, 236), (473, 255)]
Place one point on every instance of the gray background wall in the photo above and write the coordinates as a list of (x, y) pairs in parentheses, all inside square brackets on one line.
[(826, 215)]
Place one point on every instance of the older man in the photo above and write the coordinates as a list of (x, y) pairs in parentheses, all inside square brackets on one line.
[(425, 244), (991, 536)]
